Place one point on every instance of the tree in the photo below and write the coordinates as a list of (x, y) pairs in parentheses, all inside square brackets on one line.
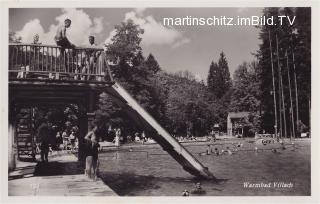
[(188, 104), (125, 46), (225, 74), (152, 64), (133, 72), (246, 88), (219, 81), (295, 40), (246, 95), (13, 38)]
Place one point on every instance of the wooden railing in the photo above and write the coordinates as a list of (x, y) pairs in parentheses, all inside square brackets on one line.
[(51, 62)]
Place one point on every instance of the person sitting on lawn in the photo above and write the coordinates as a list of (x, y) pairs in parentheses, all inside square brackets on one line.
[(136, 137), (229, 151), (216, 152)]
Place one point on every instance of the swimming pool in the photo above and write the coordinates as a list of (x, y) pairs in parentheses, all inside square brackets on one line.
[(150, 171)]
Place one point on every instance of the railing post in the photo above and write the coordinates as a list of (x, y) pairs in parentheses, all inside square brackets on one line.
[(44, 61)]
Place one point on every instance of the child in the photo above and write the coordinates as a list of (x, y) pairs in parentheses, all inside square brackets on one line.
[(229, 151), (216, 151), (185, 193), (136, 137), (65, 140), (208, 150), (198, 189), (72, 139), (117, 138)]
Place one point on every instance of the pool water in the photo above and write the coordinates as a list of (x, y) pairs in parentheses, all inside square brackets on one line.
[(150, 171)]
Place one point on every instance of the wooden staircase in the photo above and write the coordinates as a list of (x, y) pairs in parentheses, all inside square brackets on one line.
[(24, 135)]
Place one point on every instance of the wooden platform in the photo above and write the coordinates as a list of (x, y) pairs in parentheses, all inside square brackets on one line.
[(25, 181)]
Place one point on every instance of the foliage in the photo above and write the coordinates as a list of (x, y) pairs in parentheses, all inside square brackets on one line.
[(219, 81), (246, 88), (293, 39), (135, 73), (13, 38), (189, 106)]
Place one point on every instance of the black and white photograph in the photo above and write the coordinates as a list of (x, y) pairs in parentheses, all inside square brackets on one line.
[(158, 101)]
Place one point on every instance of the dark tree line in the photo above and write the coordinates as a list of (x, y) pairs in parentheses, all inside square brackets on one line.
[(178, 101), (182, 104)]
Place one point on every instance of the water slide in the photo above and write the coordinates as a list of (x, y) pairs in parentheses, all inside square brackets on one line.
[(169, 144)]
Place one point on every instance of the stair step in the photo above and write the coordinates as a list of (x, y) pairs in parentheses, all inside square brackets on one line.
[(25, 147), (24, 138), (24, 141), (24, 135), (25, 150), (24, 131), (24, 144)]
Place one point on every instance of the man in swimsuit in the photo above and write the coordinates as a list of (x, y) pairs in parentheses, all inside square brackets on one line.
[(62, 40), (61, 37)]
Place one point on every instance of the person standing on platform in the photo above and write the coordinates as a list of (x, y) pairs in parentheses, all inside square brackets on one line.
[(62, 41), (61, 36)]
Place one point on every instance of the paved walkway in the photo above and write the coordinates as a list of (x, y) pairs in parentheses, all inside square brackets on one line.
[(62, 176)]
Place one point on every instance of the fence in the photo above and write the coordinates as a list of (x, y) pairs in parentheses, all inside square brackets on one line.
[(52, 62)]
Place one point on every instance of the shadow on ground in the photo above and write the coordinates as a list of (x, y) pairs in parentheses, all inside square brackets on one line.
[(21, 172), (129, 184), (55, 168)]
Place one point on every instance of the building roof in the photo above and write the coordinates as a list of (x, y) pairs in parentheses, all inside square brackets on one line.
[(238, 114)]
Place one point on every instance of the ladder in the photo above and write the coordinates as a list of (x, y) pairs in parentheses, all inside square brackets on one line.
[(24, 135)]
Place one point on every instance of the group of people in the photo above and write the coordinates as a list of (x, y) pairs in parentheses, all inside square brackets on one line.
[(142, 138), (198, 190), (116, 133), (69, 141), (93, 61), (48, 139), (226, 151), (91, 64)]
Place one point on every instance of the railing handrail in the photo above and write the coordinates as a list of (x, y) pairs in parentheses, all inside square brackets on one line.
[(54, 46)]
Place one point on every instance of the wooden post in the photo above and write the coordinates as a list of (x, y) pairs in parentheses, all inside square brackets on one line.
[(281, 90), (279, 86), (290, 94), (11, 140), (274, 91), (296, 91), (83, 129)]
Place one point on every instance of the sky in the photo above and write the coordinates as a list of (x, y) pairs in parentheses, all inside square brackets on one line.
[(176, 48)]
